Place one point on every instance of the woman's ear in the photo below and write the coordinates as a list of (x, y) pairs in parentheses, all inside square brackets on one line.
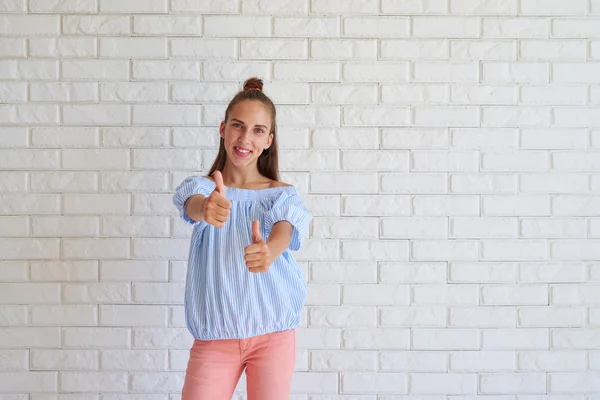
[(222, 129), (269, 141)]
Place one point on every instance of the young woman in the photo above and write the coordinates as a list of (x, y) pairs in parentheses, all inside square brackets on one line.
[(244, 289)]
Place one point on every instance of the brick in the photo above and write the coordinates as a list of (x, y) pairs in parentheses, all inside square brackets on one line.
[(341, 49), (414, 183), (445, 339), (553, 7), (390, 250), (80, 315), (218, 6), (409, 228), (515, 116), (15, 181), (473, 228), (13, 6), (413, 49), (516, 339), (96, 114), (381, 71), (269, 49), (413, 272), (238, 26), (521, 72), (493, 95), (29, 25), (501, 383), (445, 27), (203, 48), (413, 316), (13, 48), (40, 382), (64, 271), (553, 228), (551, 316), (344, 94), (167, 25), (140, 360), (552, 50), (551, 272), (482, 361), (483, 7), (143, 6), (342, 316), (63, 182), (30, 337), (574, 249), (14, 226), (14, 93), (414, 138), (81, 248), (516, 28), (218, 71), (447, 116), (347, 7), (565, 72), (374, 160), (321, 272), (167, 70), (35, 203), (482, 272), (375, 205), (134, 270), (357, 228), (553, 139), (414, 7), (377, 27), (445, 205), (414, 94), (303, 71), (513, 250), (380, 382), (514, 295), (483, 183), (521, 161), (133, 92), (409, 361), (166, 114), (483, 50), (110, 25), (274, 7), (13, 316), (445, 71), (136, 137), (579, 206), (484, 138), (344, 138), (378, 294), (363, 338), (65, 226), (574, 161)]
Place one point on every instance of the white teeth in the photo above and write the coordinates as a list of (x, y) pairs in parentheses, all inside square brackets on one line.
[(242, 150)]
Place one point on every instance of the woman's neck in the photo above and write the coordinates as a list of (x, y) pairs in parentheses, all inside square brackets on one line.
[(240, 178)]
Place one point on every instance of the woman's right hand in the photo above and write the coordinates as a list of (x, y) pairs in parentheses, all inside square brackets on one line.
[(216, 208)]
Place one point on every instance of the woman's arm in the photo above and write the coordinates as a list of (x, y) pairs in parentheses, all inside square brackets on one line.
[(193, 207), (279, 238)]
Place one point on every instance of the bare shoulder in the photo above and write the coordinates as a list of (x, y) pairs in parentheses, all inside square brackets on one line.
[(275, 184)]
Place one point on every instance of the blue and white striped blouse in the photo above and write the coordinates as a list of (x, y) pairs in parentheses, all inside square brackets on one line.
[(223, 299)]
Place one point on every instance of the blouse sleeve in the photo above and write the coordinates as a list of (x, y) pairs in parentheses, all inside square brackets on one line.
[(189, 187), (289, 207)]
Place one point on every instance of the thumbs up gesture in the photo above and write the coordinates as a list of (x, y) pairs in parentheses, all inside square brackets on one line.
[(216, 207), (258, 254)]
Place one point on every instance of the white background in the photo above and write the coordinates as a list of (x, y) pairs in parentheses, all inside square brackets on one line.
[(448, 149)]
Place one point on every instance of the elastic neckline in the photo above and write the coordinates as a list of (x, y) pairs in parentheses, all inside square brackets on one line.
[(233, 193)]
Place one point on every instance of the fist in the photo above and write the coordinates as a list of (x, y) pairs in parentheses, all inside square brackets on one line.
[(258, 254), (216, 207)]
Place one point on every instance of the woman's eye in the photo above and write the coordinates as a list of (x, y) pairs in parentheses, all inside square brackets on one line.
[(236, 125), (259, 131)]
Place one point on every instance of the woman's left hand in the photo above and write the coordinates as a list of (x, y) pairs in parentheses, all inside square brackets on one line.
[(258, 254)]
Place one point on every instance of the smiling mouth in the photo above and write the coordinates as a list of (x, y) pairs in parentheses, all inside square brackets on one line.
[(241, 152)]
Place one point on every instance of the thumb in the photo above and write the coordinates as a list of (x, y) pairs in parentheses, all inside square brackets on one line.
[(219, 181), (256, 236)]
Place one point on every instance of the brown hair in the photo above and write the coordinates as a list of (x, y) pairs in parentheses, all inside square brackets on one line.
[(268, 161)]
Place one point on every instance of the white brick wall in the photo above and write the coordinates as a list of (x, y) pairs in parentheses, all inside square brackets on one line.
[(448, 149)]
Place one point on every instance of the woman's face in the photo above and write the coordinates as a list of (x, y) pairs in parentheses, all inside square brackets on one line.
[(246, 132)]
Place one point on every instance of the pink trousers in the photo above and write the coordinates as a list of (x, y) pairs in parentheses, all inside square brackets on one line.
[(215, 367)]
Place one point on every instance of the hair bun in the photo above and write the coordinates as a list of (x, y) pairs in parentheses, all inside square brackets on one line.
[(253, 84)]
